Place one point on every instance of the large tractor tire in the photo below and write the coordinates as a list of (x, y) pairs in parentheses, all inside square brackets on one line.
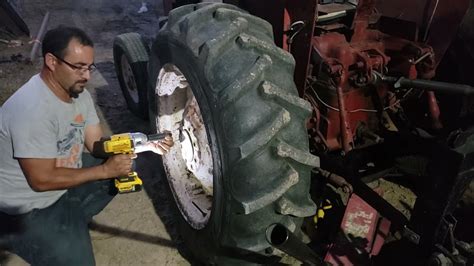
[(240, 162), (131, 61)]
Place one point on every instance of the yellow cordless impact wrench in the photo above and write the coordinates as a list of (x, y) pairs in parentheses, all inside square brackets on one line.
[(126, 143)]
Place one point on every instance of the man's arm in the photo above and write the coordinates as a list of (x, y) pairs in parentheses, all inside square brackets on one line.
[(43, 175), (93, 133)]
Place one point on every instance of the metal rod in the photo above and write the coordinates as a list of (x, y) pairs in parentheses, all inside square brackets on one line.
[(417, 61), (346, 133), (434, 110), (427, 31), (436, 86), (281, 238), (158, 136), (39, 37)]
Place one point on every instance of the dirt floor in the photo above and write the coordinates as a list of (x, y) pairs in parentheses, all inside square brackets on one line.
[(138, 228)]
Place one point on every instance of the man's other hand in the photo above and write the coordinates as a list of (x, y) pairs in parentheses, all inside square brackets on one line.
[(161, 146), (118, 165)]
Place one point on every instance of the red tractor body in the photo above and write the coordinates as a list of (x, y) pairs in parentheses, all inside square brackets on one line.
[(368, 70)]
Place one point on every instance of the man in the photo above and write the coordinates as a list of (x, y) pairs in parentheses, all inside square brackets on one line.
[(47, 197)]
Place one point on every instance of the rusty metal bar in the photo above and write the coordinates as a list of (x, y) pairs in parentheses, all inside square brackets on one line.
[(346, 134), (434, 110)]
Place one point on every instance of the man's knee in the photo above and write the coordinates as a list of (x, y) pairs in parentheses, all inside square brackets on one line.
[(55, 236)]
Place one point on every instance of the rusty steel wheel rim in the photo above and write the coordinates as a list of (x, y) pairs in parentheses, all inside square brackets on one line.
[(189, 165)]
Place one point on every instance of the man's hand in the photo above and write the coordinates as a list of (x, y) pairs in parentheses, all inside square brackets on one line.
[(159, 146), (162, 146), (118, 165)]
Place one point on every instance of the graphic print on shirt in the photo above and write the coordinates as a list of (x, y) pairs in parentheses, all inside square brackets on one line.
[(70, 146)]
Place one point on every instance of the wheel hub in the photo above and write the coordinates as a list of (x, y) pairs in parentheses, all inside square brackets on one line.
[(189, 164)]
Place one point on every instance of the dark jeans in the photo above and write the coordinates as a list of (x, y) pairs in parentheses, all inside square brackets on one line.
[(58, 234)]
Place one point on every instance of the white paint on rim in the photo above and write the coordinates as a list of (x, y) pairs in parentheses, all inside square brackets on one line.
[(170, 80), (189, 164)]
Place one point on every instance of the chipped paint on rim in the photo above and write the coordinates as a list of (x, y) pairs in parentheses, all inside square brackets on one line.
[(189, 164)]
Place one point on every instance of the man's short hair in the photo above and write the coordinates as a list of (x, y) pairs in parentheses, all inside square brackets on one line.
[(56, 40)]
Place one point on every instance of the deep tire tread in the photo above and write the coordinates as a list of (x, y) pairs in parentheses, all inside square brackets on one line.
[(236, 33), (250, 81), (263, 136), (177, 15), (211, 49), (261, 25), (289, 101), (285, 150), (288, 179), (131, 42), (250, 42), (301, 209)]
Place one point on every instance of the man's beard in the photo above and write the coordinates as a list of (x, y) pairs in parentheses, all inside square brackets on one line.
[(75, 90)]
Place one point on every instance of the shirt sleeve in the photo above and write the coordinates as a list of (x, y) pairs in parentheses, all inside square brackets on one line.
[(33, 136), (91, 113)]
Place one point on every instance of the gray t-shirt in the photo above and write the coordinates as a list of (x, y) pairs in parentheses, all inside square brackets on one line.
[(35, 123)]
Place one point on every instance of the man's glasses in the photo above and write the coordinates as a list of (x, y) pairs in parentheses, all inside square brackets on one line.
[(80, 69)]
